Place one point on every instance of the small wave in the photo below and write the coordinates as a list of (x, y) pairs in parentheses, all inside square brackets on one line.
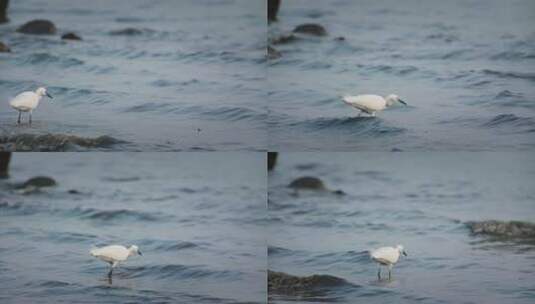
[(54, 142), (176, 246), (108, 215), (396, 70), (181, 272), (131, 31), (513, 55), (511, 120), (518, 75), (46, 58), (121, 179), (366, 126)]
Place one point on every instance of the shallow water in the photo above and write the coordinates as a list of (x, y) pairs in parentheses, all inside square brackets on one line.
[(198, 221), (191, 78), (466, 69), (420, 200)]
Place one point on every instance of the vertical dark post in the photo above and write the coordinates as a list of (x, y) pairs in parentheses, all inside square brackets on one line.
[(273, 8), (3, 11), (5, 157), (272, 160)]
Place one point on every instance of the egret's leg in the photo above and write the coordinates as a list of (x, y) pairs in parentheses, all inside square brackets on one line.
[(30, 117), (18, 121), (379, 273), (373, 114), (360, 113), (389, 272)]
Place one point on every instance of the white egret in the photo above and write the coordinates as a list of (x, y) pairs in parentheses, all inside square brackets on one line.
[(371, 103), (114, 254), (28, 101), (387, 256)]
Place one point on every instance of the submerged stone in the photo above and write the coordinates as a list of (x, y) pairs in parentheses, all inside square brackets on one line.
[(70, 36), (38, 27), (503, 228), (307, 182), (311, 29), (283, 283)]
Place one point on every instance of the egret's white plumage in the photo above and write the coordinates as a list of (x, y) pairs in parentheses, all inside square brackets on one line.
[(387, 256), (371, 103), (114, 254), (28, 101)]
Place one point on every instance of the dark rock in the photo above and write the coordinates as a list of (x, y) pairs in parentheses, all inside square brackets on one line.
[(3, 11), (38, 182), (38, 27), (71, 36), (273, 9), (284, 39), (503, 229), (307, 182), (53, 142), (4, 48), (127, 32), (272, 160), (273, 53), (5, 157), (341, 38), (339, 192), (283, 283), (74, 191), (310, 29)]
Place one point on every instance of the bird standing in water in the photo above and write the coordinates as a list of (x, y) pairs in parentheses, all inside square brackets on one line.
[(28, 101)]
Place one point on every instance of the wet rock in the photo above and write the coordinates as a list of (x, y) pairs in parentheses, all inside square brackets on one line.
[(5, 158), (70, 36), (74, 191), (311, 29), (284, 39), (38, 182), (283, 283), (38, 27), (341, 38), (273, 53), (53, 142), (4, 48), (503, 229), (273, 9), (130, 31), (3, 11), (272, 160), (307, 182)]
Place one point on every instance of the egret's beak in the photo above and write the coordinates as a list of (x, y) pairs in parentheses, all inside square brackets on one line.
[(402, 101), (139, 252), (49, 96), (404, 253)]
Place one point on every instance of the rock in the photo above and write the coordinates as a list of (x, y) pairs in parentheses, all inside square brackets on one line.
[(307, 182), (3, 11), (70, 36), (53, 142), (503, 229), (310, 29), (74, 191), (272, 160), (273, 9), (341, 38), (130, 31), (273, 53), (284, 39), (4, 48), (5, 157), (38, 182), (283, 283), (38, 27)]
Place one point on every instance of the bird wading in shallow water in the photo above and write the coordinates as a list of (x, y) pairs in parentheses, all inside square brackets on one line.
[(114, 254), (371, 103), (387, 256), (28, 101)]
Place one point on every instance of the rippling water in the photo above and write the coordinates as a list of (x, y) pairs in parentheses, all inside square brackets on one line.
[(466, 69), (198, 221), (420, 200), (189, 76)]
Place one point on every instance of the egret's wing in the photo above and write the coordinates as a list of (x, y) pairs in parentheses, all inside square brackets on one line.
[(365, 102), (385, 255), (114, 252), (25, 99)]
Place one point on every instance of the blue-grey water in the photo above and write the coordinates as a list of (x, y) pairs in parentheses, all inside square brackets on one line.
[(466, 69), (199, 220), (190, 76), (420, 200)]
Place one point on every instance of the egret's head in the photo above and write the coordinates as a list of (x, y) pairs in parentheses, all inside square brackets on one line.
[(401, 250), (392, 98), (135, 250), (42, 92)]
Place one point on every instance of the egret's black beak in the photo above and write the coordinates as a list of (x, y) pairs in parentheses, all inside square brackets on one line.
[(404, 253), (49, 96), (402, 101), (139, 252)]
